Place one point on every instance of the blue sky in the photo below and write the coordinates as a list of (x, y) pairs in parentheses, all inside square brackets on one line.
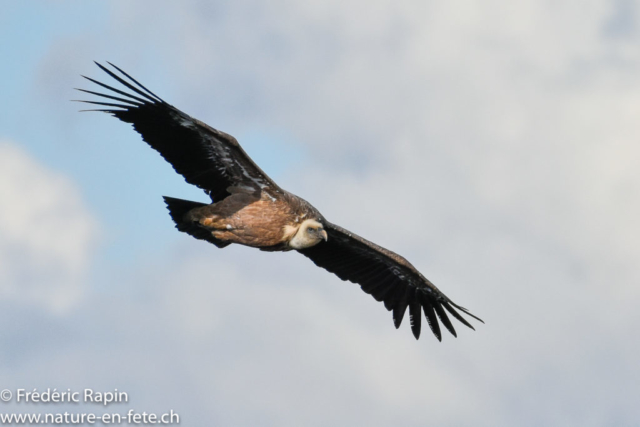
[(494, 145), (32, 38)]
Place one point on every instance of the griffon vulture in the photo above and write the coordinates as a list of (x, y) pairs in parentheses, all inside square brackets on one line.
[(250, 209)]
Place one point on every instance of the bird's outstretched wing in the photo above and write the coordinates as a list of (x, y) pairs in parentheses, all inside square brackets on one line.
[(388, 277), (204, 156)]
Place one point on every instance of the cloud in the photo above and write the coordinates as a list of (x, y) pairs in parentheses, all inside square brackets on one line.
[(493, 145), (47, 233), (272, 345)]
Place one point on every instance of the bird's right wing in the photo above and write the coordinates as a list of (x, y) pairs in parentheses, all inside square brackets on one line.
[(386, 276), (204, 156)]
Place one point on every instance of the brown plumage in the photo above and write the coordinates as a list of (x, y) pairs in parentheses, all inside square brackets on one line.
[(250, 209)]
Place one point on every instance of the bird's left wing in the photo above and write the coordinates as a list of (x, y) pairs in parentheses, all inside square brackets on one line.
[(206, 157), (388, 277)]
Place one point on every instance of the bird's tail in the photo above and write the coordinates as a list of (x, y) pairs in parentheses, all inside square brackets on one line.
[(178, 208)]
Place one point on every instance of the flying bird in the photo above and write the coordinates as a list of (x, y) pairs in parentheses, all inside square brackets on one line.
[(249, 208)]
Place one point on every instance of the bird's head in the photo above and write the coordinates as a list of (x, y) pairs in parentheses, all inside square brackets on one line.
[(310, 233)]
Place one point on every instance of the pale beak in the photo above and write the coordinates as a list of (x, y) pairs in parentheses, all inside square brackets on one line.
[(324, 235)]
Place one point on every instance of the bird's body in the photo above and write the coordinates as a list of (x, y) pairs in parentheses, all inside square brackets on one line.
[(248, 208), (260, 220)]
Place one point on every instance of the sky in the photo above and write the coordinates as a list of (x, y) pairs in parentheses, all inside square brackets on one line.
[(493, 144)]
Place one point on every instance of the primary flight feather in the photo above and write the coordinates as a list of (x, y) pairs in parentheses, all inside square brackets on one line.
[(250, 209)]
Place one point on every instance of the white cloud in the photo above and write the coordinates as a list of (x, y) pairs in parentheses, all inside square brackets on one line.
[(46, 233), (493, 144), (274, 344)]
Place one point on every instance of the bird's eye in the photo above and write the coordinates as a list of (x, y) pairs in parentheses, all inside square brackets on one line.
[(311, 230)]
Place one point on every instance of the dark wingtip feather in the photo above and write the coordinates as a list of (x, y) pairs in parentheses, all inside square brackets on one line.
[(415, 317), (457, 315), (431, 319), (466, 311), (398, 314), (104, 95), (400, 307), (136, 82), (107, 104), (102, 111), (124, 82), (115, 90), (442, 315)]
